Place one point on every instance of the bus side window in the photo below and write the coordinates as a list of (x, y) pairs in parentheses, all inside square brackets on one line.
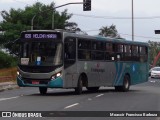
[(127, 53), (119, 51), (143, 53), (135, 53), (84, 52), (109, 55), (69, 51)]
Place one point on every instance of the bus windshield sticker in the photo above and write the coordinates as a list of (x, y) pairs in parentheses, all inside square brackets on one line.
[(24, 61), (38, 60)]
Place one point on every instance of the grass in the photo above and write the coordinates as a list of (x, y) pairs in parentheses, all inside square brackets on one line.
[(8, 74)]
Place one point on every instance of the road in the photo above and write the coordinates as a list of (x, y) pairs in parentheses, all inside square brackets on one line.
[(142, 97)]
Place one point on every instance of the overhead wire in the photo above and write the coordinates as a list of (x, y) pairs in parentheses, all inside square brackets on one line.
[(111, 17)]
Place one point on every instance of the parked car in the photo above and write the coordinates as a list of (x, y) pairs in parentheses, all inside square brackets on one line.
[(155, 72)]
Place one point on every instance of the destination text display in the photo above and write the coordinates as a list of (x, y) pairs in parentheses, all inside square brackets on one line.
[(40, 36)]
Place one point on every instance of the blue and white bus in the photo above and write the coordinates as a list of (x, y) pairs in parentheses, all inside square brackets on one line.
[(60, 59)]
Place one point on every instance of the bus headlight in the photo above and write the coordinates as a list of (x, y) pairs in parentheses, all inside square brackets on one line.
[(56, 75), (17, 73)]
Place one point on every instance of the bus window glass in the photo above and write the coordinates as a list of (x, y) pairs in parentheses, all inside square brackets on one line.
[(109, 55), (49, 52), (97, 45), (127, 53), (119, 52), (84, 44), (143, 54), (70, 52), (84, 49), (109, 47)]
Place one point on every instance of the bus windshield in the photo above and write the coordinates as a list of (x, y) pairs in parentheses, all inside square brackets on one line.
[(41, 53)]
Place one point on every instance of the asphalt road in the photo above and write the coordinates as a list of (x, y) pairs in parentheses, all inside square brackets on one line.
[(142, 97)]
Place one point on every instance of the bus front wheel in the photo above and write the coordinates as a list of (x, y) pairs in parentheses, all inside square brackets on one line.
[(78, 89), (42, 90)]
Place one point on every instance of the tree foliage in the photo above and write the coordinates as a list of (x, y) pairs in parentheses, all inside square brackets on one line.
[(16, 21), (153, 52), (7, 60), (110, 31)]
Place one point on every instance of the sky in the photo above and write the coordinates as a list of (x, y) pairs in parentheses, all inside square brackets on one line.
[(105, 13)]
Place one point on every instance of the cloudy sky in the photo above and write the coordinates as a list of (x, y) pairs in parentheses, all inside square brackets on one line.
[(106, 13)]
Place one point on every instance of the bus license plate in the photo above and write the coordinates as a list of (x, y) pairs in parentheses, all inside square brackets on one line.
[(35, 82)]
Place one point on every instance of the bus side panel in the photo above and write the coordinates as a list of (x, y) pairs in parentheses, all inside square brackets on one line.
[(71, 76), (85, 67), (136, 71), (120, 69), (142, 73), (98, 73), (108, 75)]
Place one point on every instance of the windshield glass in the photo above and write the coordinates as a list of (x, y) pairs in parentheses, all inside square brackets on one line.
[(41, 53), (156, 69)]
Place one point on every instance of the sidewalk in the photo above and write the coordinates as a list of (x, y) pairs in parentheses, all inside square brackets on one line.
[(8, 86)]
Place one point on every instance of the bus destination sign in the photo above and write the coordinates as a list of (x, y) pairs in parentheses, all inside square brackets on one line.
[(39, 36)]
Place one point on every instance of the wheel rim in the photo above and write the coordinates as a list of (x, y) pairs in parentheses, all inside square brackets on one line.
[(126, 84)]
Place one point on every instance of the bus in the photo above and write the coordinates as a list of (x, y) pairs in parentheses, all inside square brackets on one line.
[(61, 59)]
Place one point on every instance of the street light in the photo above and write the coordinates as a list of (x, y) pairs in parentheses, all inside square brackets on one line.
[(132, 22), (32, 21), (53, 13)]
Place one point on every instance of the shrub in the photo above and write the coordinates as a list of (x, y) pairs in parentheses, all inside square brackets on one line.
[(7, 60)]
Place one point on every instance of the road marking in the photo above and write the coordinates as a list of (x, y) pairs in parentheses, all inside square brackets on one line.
[(89, 99), (2, 99), (99, 95), (152, 81), (71, 105)]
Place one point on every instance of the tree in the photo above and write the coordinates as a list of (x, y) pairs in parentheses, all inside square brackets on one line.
[(16, 21), (153, 51), (110, 31)]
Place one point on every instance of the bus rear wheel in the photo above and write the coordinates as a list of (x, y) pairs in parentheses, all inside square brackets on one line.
[(126, 84), (43, 90), (78, 89)]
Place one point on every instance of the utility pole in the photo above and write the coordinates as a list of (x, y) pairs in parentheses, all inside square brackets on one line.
[(132, 22)]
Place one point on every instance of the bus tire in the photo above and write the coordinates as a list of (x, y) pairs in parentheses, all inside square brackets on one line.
[(43, 90), (126, 83), (94, 89), (78, 89)]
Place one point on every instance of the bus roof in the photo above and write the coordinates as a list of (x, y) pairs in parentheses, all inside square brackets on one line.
[(101, 38)]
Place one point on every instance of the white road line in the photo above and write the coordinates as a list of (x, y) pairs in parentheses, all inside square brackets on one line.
[(99, 95), (71, 105), (2, 99), (152, 81), (89, 99)]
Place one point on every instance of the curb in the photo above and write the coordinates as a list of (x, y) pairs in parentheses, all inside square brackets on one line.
[(8, 86)]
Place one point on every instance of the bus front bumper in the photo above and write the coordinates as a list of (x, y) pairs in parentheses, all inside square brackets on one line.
[(56, 83)]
